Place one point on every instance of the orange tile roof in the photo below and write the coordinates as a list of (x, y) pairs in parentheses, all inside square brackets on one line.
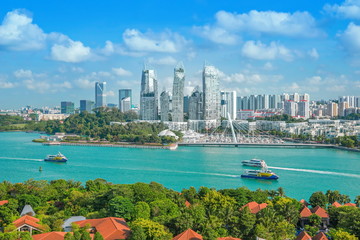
[(187, 204), (28, 220), (49, 236), (303, 236), (350, 204), (3, 202), (336, 204), (304, 202), (188, 235), (320, 212), (305, 213), (228, 238), (110, 227), (320, 236), (254, 207)]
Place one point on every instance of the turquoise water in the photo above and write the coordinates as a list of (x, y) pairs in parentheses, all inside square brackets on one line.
[(301, 171)]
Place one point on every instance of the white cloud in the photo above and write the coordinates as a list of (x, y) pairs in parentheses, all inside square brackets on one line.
[(72, 51), (5, 84), (121, 72), (21, 73), (228, 25), (348, 9), (85, 82), (268, 66), (351, 39), (110, 93), (17, 32), (38, 86), (260, 51), (313, 53), (150, 42), (162, 61)]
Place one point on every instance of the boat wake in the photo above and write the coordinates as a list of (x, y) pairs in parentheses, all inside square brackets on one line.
[(317, 171), (24, 159)]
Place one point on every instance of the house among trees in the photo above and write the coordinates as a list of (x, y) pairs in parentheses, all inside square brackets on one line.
[(67, 223), (305, 236), (255, 207), (50, 235), (110, 228), (28, 223), (27, 210), (336, 204), (3, 202), (319, 211), (188, 235)]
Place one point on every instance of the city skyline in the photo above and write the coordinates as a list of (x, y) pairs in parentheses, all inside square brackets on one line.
[(258, 47)]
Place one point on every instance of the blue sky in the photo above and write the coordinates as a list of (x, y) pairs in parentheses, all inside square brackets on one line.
[(52, 51)]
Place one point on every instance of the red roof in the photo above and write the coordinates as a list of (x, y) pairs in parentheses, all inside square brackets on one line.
[(110, 228), (188, 235), (228, 238), (320, 236), (304, 202), (49, 235), (187, 204), (3, 202), (254, 207), (350, 204), (28, 220), (336, 204), (320, 212), (305, 213), (303, 236)]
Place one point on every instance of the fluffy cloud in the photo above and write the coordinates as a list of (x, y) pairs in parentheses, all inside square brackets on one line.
[(350, 39), (21, 73), (313, 53), (348, 9), (162, 61), (72, 51), (85, 82), (121, 72), (227, 25), (260, 51), (150, 42), (17, 32)]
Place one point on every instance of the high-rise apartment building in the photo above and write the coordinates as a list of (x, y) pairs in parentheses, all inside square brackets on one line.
[(178, 94), (228, 104), (304, 109), (67, 108), (252, 102), (196, 105), (148, 95), (332, 109), (100, 94), (164, 106), (186, 104), (125, 93), (342, 106), (211, 93), (86, 105), (290, 108)]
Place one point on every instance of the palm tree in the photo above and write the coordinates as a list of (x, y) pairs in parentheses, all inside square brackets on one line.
[(357, 201), (281, 192)]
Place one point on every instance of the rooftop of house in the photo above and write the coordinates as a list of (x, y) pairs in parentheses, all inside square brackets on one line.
[(109, 228), (320, 236), (49, 235), (2, 202), (303, 236), (28, 220), (188, 235), (228, 238), (306, 212), (255, 207)]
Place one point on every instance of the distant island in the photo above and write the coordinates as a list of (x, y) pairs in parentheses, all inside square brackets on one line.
[(151, 211)]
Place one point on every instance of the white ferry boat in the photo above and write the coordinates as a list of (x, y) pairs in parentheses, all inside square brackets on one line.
[(56, 158), (254, 162)]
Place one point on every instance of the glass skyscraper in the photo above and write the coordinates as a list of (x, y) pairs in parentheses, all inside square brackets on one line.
[(148, 96), (100, 97), (178, 94), (125, 95), (164, 106), (211, 93), (67, 108), (86, 105)]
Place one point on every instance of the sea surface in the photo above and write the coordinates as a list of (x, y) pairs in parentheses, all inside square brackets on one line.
[(301, 171)]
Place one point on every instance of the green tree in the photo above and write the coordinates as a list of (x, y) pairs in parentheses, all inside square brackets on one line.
[(153, 230), (141, 210), (318, 199), (85, 236), (340, 234), (68, 236), (121, 207), (315, 220), (137, 233)]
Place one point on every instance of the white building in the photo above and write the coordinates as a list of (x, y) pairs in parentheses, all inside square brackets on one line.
[(228, 104)]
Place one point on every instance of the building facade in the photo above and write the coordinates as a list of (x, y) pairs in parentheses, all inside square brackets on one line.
[(100, 94), (196, 105), (125, 93), (86, 105), (228, 104), (148, 95), (67, 108), (211, 93), (178, 94), (164, 106)]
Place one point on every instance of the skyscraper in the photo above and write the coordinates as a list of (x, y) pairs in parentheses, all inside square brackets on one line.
[(148, 96), (290, 108), (228, 104), (211, 93), (196, 105), (86, 105), (178, 94), (125, 93), (332, 109), (100, 96), (304, 109), (164, 106), (67, 108)]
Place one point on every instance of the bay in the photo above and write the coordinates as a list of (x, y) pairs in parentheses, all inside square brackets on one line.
[(302, 171)]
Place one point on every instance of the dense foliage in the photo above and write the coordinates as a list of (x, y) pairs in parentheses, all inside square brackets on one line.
[(155, 212), (283, 117)]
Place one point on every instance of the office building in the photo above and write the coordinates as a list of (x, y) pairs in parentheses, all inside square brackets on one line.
[(186, 104), (100, 94), (164, 106), (178, 94), (125, 93), (148, 95), (196, 105), (86, 105), (228, 104), (332, 109), (211, 93), (67, 108)]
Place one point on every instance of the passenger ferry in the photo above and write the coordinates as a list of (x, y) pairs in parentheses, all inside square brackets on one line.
[(254, 162), (260, 174), (56, 158)]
